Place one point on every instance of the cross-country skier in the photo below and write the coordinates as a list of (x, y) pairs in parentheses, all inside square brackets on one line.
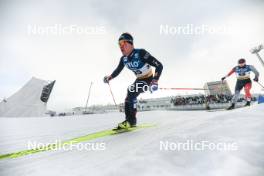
[(140, 62), (243, 80)]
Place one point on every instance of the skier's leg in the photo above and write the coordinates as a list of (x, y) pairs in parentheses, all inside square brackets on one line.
[(128, 99), (236, 96), (247, 88), (239, 86), (131, 108), (138, 87)]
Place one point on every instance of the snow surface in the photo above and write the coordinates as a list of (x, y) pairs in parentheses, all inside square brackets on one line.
[(138, 152)]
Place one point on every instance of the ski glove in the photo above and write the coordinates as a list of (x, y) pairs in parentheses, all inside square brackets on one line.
[(107, 79), (153, 85), (223, 78), (256, 79)]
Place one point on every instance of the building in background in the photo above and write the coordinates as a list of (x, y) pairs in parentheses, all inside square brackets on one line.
[(30, 101), (216, 88)]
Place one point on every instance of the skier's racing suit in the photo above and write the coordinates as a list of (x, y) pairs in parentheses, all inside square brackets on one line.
[(139, 61), (243, 80)]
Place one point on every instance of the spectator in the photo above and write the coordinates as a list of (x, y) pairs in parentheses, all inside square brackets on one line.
[(202, 99)]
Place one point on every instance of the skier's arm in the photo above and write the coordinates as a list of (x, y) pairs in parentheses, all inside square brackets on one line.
[(153, 62), (231, 72), (118, 69), (254, 70)]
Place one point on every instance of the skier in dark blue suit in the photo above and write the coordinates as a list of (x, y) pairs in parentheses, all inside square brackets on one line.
[(140, 62)]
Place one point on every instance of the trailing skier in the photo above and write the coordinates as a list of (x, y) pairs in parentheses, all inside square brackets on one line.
[(140, 62), (243, 81)]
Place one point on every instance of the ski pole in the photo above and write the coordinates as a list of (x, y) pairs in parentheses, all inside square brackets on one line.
[(261, 85), (112, 95), (174, 88)]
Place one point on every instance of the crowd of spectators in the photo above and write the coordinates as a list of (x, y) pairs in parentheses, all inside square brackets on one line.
[(202, 99)]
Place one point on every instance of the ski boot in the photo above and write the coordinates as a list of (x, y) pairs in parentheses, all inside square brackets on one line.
[(247, 104), (133, 122), (231, 107), (123, 125)]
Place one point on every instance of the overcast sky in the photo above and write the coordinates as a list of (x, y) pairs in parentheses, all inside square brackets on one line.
[(75, 59)]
